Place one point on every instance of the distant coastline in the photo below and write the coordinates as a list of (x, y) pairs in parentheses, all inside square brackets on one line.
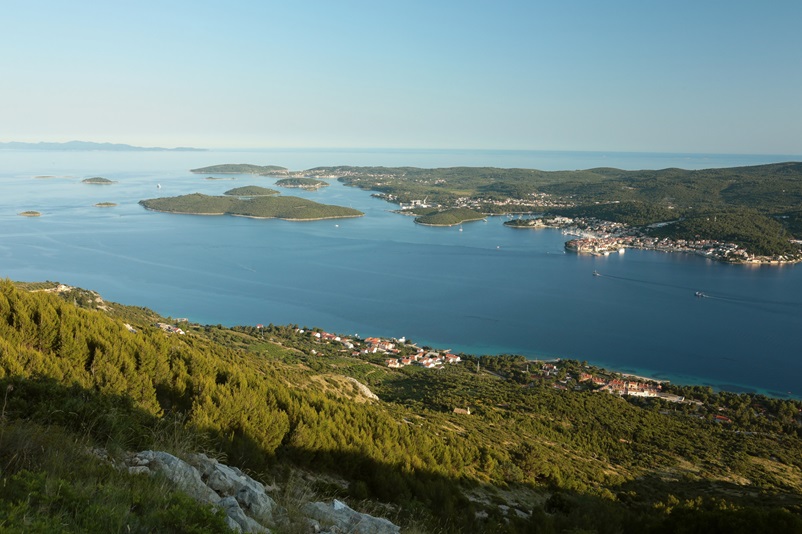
[(91, 146)]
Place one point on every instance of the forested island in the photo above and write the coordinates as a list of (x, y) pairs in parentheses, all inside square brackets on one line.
[(260, 207), (302, 183), (485, 445), (241, 168), (447, 217)]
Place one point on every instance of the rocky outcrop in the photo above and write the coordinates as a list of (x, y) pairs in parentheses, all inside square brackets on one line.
[(363, 389), (249, 493), (245, 501), (183, 475), (339, 517)]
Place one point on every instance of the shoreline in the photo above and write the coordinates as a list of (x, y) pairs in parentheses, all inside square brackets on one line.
[(255, 216), (447, 225), (678, 379), (683, 251), (682, 380)]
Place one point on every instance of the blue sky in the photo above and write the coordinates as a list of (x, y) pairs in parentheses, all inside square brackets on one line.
[(680, 76)]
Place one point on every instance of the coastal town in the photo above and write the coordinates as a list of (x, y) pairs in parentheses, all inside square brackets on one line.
[(601, 238)]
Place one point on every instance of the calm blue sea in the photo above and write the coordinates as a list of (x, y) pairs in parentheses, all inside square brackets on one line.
[(485, 290)]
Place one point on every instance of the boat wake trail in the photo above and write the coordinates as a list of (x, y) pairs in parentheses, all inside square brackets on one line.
[(718, 296), (641, 281)]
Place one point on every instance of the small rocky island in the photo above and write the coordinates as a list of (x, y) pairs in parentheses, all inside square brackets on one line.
[(309, 184), (30, 213), (97, 180), (105, 205), (257, 207)]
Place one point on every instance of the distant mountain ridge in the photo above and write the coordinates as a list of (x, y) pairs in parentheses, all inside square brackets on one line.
[(89, 145)]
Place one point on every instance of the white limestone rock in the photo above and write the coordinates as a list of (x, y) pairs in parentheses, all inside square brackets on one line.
[(231, 482), (232, 509), (178, 471), (343, 518)]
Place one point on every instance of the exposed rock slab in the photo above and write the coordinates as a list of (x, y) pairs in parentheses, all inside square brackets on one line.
[(345, 519), (247, 506)]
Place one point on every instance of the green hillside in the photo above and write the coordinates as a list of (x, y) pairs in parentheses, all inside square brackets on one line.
[(276, 399)]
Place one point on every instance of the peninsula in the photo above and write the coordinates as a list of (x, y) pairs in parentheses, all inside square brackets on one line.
[(758, 209), (258, 207)]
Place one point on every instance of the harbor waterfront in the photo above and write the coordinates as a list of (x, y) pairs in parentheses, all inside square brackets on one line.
[(481, 288)]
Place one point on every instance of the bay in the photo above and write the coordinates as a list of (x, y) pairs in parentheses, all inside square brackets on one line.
[(485, 290)]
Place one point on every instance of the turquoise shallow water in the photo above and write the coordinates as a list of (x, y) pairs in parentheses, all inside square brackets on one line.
[(487, 289)]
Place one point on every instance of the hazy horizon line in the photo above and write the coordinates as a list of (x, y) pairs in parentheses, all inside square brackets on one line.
[(413, 149)]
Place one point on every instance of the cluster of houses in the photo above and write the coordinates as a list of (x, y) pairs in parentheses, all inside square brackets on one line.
[(171, 329), (371, 345), (635, 388), (328, 338), (535, 201), (705, 247), (429, 360), (729, 252)]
